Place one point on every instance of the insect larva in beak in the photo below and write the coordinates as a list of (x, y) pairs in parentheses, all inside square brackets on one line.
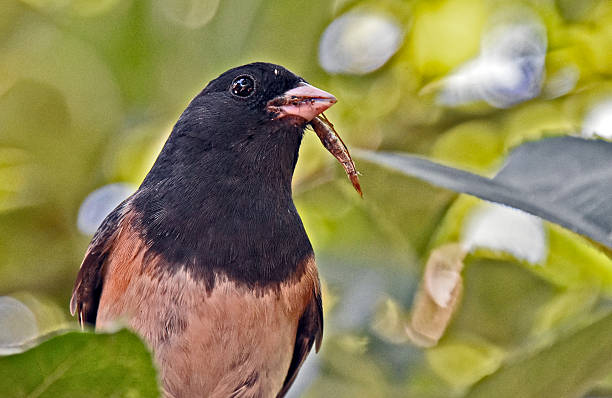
[(334, 144)]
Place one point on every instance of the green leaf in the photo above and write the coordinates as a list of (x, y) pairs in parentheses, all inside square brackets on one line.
[(545, 178), (565, 308), (568, 368), (449, 361), (475, 145), (429, 44), (79, 364)]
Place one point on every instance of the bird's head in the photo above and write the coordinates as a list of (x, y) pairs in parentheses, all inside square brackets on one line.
[(255, 99), (248, 123), (244, 125)]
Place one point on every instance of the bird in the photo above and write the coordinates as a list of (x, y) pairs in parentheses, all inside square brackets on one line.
[(208, 260)]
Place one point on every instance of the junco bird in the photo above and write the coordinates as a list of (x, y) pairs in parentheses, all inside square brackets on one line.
[(208, 261)]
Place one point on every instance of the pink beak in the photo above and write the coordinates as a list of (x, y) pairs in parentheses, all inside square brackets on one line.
[(304, 101)]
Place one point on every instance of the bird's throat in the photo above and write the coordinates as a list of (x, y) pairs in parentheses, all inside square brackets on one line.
[(225, 213)]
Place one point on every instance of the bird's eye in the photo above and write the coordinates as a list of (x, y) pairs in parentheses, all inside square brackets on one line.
[(243, 86)]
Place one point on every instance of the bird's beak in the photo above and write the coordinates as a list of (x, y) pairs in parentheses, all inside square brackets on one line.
[(304, 101)]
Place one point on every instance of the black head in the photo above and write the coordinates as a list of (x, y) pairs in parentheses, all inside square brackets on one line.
[(249, 98), (219, 195), (245, 91), (247, 122)]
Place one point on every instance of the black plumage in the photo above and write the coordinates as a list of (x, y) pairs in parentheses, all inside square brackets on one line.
[(218, 198)]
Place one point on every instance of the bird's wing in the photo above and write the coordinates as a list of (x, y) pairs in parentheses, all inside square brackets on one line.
[(309, 332), (89, 281)]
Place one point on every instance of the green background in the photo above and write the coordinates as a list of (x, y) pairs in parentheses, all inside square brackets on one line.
[(89, 91)]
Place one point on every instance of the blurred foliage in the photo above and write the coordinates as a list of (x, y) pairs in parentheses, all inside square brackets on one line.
[(89, 90), (585, 362), (81, 365)]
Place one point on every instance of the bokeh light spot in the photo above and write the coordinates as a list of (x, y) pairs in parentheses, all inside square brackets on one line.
[(99, 203), (598, 122), (509, 68), (359, 43), (192, 14), (17, 323), (501, 228)]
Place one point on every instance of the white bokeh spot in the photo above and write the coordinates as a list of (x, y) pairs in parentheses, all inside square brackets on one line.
[(17, 325), (359, 43), (598, 122), (509, 68), (99, 203), (505, 229)]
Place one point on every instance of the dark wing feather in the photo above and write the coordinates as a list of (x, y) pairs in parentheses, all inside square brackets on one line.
[(309, 332), (89, 281)]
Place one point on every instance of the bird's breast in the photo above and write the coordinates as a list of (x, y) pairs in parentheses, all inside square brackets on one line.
[(233, 339)]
